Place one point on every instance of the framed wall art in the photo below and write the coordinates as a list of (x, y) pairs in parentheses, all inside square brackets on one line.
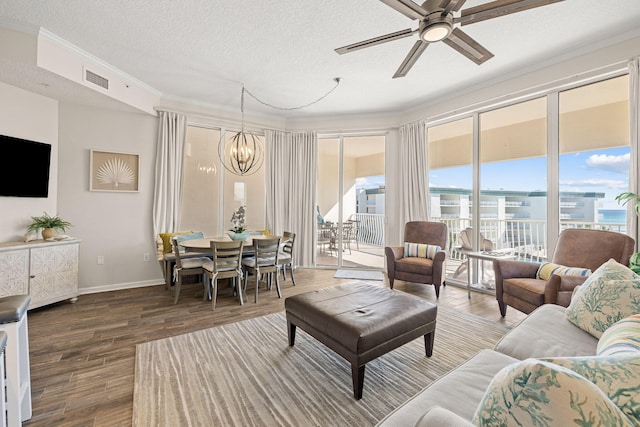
[(110, 171)]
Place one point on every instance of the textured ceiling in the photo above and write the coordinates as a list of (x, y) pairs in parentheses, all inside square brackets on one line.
[(202, 51)]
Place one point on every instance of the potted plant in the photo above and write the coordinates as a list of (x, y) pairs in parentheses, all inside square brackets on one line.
[(624, 198), (238, 232), (49, 225)]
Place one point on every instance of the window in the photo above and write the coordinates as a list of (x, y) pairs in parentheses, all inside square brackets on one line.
[(211, 193), (513, 177), (594, 154), (200, 198)]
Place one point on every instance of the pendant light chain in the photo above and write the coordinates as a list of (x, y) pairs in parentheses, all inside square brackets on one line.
[(337, 80)]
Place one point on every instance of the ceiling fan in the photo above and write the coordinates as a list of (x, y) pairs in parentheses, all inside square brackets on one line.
[(436, 23)]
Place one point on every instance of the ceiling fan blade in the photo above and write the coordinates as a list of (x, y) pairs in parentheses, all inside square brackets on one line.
[(498, 8), (407, 8), (460, 41), (451, 5), (411, 58), (375, 41)]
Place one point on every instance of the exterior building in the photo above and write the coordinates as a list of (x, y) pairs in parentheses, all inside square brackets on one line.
[(512, 205), (370, 200)]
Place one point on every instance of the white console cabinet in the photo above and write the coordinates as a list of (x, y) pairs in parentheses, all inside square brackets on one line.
[(48, 271)]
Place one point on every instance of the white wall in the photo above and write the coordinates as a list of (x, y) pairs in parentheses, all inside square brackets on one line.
[(115, 225), (29, 116)]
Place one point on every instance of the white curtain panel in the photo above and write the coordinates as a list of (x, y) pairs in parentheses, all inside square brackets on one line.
[(634, 106), (167, 196), (291, 163), (413, 172)]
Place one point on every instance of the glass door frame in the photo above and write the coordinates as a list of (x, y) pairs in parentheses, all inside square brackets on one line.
[(339, 242)]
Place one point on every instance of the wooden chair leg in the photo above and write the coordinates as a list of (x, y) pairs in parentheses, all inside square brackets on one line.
[(238, 281), (277, 284), (176, 291), (214, 292), (293, 278)]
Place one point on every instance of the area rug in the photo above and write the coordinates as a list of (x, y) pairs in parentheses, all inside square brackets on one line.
[(359, 274), (245, 374)]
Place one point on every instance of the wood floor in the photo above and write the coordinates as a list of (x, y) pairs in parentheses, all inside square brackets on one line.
[(83, 354)]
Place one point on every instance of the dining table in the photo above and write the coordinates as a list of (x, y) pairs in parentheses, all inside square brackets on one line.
[(203, 245)]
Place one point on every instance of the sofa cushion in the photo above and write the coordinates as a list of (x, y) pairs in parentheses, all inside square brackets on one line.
[(538, 393), (420, 250), (441, 417), (621, 337), (459, 391), (611, 293), (546, 332), (547, 269), (617, 376)]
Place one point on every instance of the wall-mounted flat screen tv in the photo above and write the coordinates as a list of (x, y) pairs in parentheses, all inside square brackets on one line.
[(24, 167)]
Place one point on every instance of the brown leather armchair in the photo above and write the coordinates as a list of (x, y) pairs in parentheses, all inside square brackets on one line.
[(516, 283), (419, 270)]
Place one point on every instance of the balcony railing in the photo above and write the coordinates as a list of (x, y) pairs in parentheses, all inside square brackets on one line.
[(370, 228), (526, 237)]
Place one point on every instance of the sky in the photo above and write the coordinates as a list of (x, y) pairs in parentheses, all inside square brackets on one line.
[(601, 171)]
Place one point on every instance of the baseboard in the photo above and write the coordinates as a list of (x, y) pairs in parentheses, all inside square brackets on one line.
[(120, 286)]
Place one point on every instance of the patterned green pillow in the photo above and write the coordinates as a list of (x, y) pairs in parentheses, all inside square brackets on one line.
[(617, 376), (538, 393), (609, 294)]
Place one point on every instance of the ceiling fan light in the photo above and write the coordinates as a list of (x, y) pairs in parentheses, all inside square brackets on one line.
[(436, 32), (435, 27)]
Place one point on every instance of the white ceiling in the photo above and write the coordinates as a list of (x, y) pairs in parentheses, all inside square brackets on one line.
[(202, 51)]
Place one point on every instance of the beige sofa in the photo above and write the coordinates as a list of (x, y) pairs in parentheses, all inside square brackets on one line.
[(452, 399)]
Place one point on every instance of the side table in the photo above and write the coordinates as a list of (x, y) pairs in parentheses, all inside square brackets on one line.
[(485, 256)]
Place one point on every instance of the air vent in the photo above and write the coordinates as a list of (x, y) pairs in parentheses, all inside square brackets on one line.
[(96, 79)]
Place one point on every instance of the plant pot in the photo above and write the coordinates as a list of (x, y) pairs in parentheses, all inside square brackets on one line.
[(48, 233)]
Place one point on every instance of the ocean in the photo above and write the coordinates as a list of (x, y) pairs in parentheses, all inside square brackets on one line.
[(612, 216)]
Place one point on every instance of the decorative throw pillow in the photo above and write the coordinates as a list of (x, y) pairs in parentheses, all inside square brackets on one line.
[(609, 294), (166, 240), (187, 236), (617, 376), (547, 269), (420, 250), (622, 337), (538, 393)]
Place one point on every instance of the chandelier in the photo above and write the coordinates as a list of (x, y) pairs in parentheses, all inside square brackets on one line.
[(243, 154)]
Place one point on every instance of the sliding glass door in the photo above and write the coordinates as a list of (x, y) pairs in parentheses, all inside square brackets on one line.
[(351, 202)]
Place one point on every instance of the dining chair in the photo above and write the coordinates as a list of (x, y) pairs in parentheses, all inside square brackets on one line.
[(326, 237), (186, 267), (285, 257), (348, 231), (264, 261), (226, 263)]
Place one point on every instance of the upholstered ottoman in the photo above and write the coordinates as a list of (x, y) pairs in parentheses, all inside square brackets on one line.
[(361, 322)]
